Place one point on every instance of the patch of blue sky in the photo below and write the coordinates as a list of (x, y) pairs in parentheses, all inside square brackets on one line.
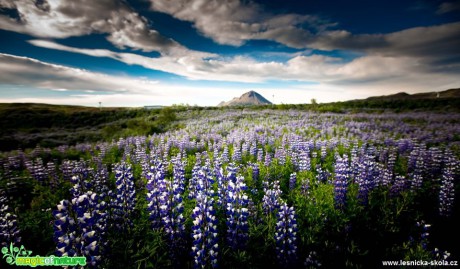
[(344, 55), (17, 45), (12, 13)]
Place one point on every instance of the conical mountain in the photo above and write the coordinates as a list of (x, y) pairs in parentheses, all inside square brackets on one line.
[(250, 98)]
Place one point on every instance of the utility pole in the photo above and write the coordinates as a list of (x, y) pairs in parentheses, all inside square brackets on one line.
[(100, 106)]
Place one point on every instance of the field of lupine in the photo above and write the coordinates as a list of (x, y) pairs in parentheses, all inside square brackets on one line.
[(240, 188)]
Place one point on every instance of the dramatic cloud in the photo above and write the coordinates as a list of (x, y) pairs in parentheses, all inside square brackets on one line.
[(321, 69), (425, 42), (16, 70), (233, 22), (66, 18)]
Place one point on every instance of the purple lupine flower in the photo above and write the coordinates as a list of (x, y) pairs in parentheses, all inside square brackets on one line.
[(400, 184), (225, 158), (91, 219), (192, 186), (223, 180), (323, 152), (386, 177), (167, 212), (260, 155), (354, 162), (341, 181), (66, 169), (179, 173), (255, 172), (294, 159), (9, 231), (365, 177), (204, 234), (447, 190), (371, 151), (286, 236), (292, 181), (236, 156), (79, 228), (172, 206), (245, 148), (417, 174), (237, 214), (38, 171), (215, 154), (272, 197), (435, 160), (232, 170), (204, 229), (268, 159), (173, 220), (81, 179), (253, 149), (414, 154), (156, 187), (65, 229), (125, 201), (391, 160), (321, 175), (103, 148), (304, 161), (280, 154)]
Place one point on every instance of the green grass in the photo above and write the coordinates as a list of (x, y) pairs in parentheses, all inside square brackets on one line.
[(29, 125)]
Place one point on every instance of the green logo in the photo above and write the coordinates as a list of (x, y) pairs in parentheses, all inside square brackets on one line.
[(21, 257)]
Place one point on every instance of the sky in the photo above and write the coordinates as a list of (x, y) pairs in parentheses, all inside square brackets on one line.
[(201, 52)]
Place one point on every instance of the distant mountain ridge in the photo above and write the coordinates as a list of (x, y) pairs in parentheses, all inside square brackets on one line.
[(451, 93), (250, 98)]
